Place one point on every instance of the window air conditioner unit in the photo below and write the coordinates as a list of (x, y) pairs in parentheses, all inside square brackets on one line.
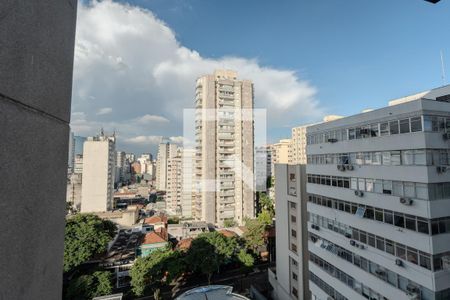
[(349, 167), (399, 262), (359, 193), (352, 242), (341, 167), (348, 235), (446, 136), (413, 296), (406, 201), (362, 247), (380, 272), (410, 288), (332, 140), (441, 169)]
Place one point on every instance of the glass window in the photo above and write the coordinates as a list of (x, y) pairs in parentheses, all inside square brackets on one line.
[(416, 124), (390, 247), (378, 186), (407, 157), (376, 158), (354, 183), (363, 237), (400, 251), (386, 158), (404, 126), (397, 188), (384, 129), (351, 134), (420, 158), (422, 191), (371, 239), (388, 217), (425, 260), (379, 214), (387, 187), (411, 254), (369, 213), (359, 158), (369, 185), (408, 189), (422, 225), (361, 184), (393, 127), (380, 243), (430, 123), (367, 158), (395, 158), (374, 130), (399, 220), (410, 222)]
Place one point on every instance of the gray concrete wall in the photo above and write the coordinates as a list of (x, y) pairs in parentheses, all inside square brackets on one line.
[(36, 62)]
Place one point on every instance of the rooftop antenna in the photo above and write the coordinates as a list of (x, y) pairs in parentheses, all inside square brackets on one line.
[(443, 69)]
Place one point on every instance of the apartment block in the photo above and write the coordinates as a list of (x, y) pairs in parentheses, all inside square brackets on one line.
[(166, 151), (379, 202), (289, 280), (225, 148), (98, 173), (174, 183)]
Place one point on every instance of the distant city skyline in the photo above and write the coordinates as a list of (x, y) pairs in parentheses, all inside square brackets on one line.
[(155, 50)]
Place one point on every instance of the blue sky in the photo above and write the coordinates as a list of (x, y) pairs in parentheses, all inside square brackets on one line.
[(357, 54)]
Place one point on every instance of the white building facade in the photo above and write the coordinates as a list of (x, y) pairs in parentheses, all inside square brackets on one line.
[(379, 202), (98, 174), (165, 152)]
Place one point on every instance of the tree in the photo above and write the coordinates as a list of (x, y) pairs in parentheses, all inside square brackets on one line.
[(86, 235), (265, 217), (254, 236), (155, 270), (202, 257), (266, 204), (229, 223), (245, 258), (89, 286)]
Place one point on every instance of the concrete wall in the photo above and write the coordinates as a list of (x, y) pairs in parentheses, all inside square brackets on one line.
[(36, 59)]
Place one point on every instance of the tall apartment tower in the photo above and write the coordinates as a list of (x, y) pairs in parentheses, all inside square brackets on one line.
[(99, 165), (225, 148), (174, 183), (379, 202), (165, 152)]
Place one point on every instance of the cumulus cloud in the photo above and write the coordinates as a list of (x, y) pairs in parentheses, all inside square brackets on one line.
[(104, 111), (152, 139), (130, 68)]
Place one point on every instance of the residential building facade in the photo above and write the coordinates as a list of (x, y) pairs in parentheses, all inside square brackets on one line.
[(98, 173), (174, 183), (379, 202), (290, 279), (225, 148), (165, 152)]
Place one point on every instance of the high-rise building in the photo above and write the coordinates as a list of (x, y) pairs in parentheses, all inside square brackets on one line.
[(174, 183), (280, 153), (130, 157), (378, 202), (290, 279), (165, 152), (78, 164), (71, 158), (74, 184), (98, 173), (225, 148)]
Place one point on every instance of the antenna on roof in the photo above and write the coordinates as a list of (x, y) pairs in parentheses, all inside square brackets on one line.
[(442, 68)]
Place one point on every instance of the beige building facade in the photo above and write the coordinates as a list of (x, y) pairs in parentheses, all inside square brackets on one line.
[(225, 148)]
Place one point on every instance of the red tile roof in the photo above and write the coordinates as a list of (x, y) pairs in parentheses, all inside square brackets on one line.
[(152, 238), (156, 219), (228, 233), (185, 244)]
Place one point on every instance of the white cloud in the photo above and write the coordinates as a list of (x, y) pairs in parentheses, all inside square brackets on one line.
[(145, 119), (144, 140), (104, 111), (129, 62)]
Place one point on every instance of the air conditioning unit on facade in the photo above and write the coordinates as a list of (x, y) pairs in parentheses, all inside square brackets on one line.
[(352, 242), (348, 235), (341, 167), (332, 140), (380, 272), (441, 169), (406, 201), (411, 289), (399, 262), (349, 167), (359, 193), (446, 136), (413, 296)]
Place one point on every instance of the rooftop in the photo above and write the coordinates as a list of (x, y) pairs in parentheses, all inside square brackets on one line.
[(155, 219), (152, 238)]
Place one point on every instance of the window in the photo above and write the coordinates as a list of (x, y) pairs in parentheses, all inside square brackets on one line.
[(294, 248), (369, 185), (412, 255), (384, 129), (430, 123), (294, 292), (416, 124), (376, 158), (293, 219), (378, 186), (425, 260), (399, 220), (388, 217), (422, 226), (293, 233), (422, 191), (354, 183), (408, 157), (387, 187), (410, 222), (374, 130), (363, 237), (404, 126), (386, 158), (380, 243), (371, 239), (351, 134), (294, 276), (400, 251), (361, 184), (397, 188), (390, 247), (420, 158), (393, 126), (293, 205), (408, 189), (369, 213), (379, 215), (395, 158)]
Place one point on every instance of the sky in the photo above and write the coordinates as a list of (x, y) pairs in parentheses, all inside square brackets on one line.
[(136, 61)]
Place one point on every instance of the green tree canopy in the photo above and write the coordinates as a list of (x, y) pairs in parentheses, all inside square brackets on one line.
[(89, 286), (229, 223), (86, 235), (245, 258), (202, 257), (254, 236)]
